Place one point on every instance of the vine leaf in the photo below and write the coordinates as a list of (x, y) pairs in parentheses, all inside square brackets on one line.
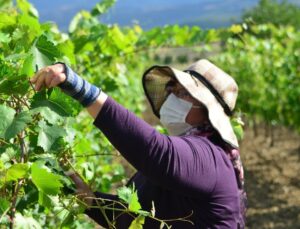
[(27, 8), (18, 124), (134, 204), (131, 198), (45, 200), (47, 48), (57, 101), (6, 118), (68, 220), (48, 135), (45, 181), (137, 223), (16, 172), (28, 66), (4, 205), (11, 125), (237, 126), (44, 52), (48, 114)]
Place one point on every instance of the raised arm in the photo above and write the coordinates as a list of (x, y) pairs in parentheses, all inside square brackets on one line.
[(187, 164)]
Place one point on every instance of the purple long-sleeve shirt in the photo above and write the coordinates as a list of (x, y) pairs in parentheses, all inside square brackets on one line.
[(180, 174)]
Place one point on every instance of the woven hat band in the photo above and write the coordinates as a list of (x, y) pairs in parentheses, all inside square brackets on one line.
[(217, 95)]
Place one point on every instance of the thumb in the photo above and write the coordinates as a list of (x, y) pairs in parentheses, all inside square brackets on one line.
[(76, 178)]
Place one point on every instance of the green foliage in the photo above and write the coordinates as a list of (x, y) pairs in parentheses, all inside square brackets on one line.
[(16, 171), (130, 197), (48, 135), (38, 129), (138, 222), (41, 178), (276, 12), (264, 59)]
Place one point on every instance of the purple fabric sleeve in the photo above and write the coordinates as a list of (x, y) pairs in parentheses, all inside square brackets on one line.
[(179, 173), (169, 161)]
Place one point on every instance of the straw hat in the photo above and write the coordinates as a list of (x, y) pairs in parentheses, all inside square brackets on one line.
[(206, 83)]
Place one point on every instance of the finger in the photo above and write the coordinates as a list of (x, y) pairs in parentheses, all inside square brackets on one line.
[(77, 180), (36, 76), (48, 78), (57, 80), (40, 81), (33, 79)]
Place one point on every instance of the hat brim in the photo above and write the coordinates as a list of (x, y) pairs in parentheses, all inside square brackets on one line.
[(154, 83)]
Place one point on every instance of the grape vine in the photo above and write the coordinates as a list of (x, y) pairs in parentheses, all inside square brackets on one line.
[(39, 129)]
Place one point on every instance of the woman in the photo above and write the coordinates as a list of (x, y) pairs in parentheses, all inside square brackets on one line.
[(195, 171)]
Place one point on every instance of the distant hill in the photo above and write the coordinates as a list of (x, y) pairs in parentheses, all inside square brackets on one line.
[(150, 13)]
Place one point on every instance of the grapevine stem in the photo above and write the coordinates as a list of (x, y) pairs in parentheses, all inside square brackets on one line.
[(5, 142), (99, 154), (20, 181), (13, 204), (4, 213)]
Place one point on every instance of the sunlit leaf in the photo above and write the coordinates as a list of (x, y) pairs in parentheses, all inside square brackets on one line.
[(16, 172), (48, 135), (18, 124), (6, 119), (45, 181)]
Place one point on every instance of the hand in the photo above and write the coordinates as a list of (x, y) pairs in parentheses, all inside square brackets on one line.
[(49, 76), (69, 82), (84, 193)]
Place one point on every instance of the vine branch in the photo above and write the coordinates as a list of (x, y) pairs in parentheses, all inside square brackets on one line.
[(20, 181)]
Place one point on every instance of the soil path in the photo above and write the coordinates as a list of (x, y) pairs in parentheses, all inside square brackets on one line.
[(272, 179)]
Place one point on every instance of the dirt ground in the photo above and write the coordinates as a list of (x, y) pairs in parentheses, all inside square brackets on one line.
[(272, 179)]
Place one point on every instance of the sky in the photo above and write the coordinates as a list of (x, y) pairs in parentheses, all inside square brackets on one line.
[(150, 13)]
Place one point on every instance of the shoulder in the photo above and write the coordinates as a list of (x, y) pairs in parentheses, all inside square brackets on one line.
[(205, 146)]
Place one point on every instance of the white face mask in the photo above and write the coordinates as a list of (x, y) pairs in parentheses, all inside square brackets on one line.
[(173, 113)]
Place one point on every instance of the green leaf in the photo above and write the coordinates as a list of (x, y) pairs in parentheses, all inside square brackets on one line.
[(48, 135), (30, 22), (48, 114), (28, 68), (137, 223), (40, 60), (14, 85), (4, 205), (27, 8), (102, 7), (6, 118), (16, 172), (124, 193), (8, 154), (44, 52), (237, 126), (6, 20), (134, 204), (4, 38), (47, 48), (70, 106), (130, 197), (45, 200), (6, 4), (18, 124), (68, 220), (58, 102), (45, 181), (67, 49)]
